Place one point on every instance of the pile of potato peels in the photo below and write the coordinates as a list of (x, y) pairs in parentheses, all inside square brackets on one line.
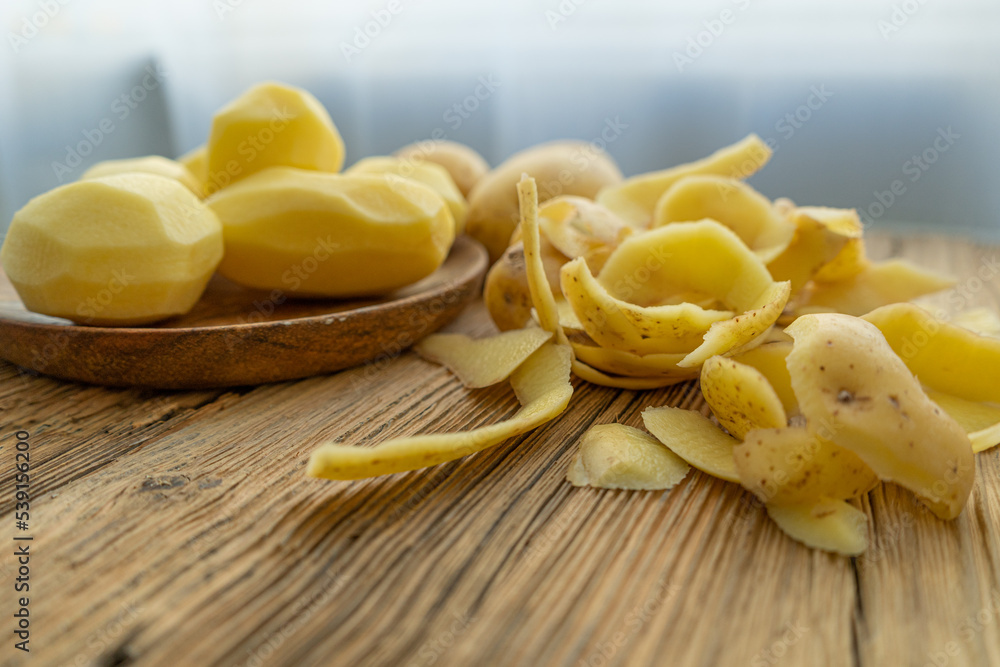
[(822, 378)]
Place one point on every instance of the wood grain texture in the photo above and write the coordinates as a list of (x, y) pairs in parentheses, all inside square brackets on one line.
[(179, 529)]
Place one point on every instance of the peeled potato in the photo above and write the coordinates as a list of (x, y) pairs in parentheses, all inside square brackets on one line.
[(271, 125), (875, 286), (317, 234), (740, 396), (791, 466), (560, 167), (430, 174), (855, 391), (732, 203), (831, 525), (486, 361), (615, 456), (635, 198), (542, 385), (152, 164), (196, 161), (466, 166), (134, 248), (694, 438)]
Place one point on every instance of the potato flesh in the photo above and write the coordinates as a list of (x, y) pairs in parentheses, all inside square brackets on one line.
[(791, 466), (734, 204), (981, 421), (559, 170), (430, 174), (855, 391), (144, 240), (694, 438), (153, 164), (830, 525), (615, 456), (543, 388), (482, 362), (740, 397), (271, 125), (635, 198), (879, 284), (347, 235)]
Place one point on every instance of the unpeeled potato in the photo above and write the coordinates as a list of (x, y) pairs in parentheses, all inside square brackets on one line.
[(466, 166)]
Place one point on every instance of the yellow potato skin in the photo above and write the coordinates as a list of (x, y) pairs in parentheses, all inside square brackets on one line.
[(466, 166), (114, 251), (318, 234), (831, 525), (271, 125), (560, 168)]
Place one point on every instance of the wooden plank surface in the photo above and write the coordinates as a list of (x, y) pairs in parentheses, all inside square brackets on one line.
[(180, 529)]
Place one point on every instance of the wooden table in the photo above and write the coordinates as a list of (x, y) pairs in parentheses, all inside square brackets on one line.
[(180, 529)]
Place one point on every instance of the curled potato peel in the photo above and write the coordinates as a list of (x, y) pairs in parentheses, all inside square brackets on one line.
[(633, 365), (740, 396), (694, 438), (579, 227), (769, 359), (635, 198), (734, 204), (821, 237), (982, 321), (878, 284), (485, 361), (790, 465), (615, 456), (854, 390), (831, 525), (542, 385)]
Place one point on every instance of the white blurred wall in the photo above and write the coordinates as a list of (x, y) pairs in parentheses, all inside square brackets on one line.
[(850, 92)]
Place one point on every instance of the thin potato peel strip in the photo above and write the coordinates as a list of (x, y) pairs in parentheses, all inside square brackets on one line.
[(879, 284), (740, 397), (538, 284), (485, 361), (615, 456), (694, 438), (542, 385), (830, 525)]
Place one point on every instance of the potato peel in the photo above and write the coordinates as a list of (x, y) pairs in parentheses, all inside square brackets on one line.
[(734, 204), (694, 438), (615, 456), (542, 385), (879, 284), (740, 397), (855, 391), (830, 525), (486, 361), (635, 199)]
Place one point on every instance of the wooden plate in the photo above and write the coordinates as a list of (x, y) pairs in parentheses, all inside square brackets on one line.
[(235, 336)]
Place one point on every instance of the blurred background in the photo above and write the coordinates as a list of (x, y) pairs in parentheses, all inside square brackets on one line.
[(888, 107)]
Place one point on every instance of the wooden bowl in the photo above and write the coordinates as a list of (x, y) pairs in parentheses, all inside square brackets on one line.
[(236, 336)]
